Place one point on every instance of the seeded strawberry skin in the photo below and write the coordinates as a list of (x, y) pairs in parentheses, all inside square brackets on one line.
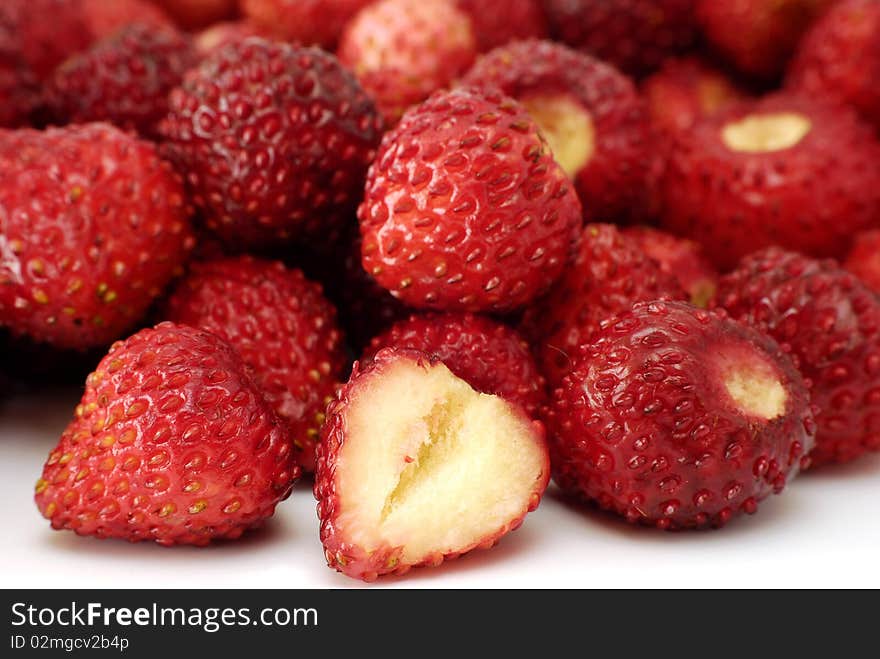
[(112, 231), (609, 274), (612, 182), (465, 209), (124, 79), (172, 442), (274, 140), (641, 428), (485, 353), (831, 322), (282, 326)]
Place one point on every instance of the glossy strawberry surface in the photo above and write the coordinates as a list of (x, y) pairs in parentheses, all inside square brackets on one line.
[(644, 427), (611, 183), (609, 274), (94, 226), (274, 142), (831, 321), (124, 79), (488, 355), (465, 208), (283, 327), (172, 441)]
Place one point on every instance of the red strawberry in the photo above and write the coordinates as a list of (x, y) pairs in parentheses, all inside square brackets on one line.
[(687, 89), (172, 442), (785, 170), (609, 274), (465, 209), (26, 31), (840, 57), (313, 22), (864, 258), (591, 115), (102, 18), (679, 417), (124, 78), (485, 353), (758, 36), (275, 142), (94, 225), (282, 326), (679, 258), (634, 35), (831, 320), (19, 92), (196, 14), (220, 35), (497, 22), (415, 467), (402, 50)]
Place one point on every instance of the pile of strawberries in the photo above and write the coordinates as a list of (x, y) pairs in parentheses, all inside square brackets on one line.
[(436, 252)]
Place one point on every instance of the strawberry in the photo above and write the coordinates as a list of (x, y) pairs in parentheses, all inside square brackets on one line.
[(840, 58), (633, 35), (864, 258), (312, 22), (465, 209), (197, 14), (679, 258), (93, 225), (283, 328), (831, 321), (124, 78), (757, 36), (785, 170), (220, 35), (485, 353), (498, 22), (40, 43), (402, 50), (679, 417), (686, 89), (102, 18), (609, 274), (415, 467), (172, 441), (590, 113), (275, 141)]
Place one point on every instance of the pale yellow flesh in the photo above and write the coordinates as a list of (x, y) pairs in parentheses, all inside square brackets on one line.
[(766, 133), (430, 465), (567, 127), (756, 391)]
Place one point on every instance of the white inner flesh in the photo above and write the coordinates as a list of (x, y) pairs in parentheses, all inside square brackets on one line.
[(567, 127), (430, 465), (756, 390), (766, 133)]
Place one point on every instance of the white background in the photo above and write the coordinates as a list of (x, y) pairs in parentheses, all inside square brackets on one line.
[(823, 531)]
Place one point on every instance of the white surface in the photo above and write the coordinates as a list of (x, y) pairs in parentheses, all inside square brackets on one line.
[(824, 531)]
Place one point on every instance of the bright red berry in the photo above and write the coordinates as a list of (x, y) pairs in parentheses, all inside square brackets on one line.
[(274, 141), (679, 417), (785, 170), (864, 258), (416, 467), (634, 35), (610, 273), (831, 321), (219, 35), (465, 208), (590, 113), (94, 227), (124, 79), (103, 18), (402, 50), (172, 441), (282, 326), (311, 22), (485, 353)]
